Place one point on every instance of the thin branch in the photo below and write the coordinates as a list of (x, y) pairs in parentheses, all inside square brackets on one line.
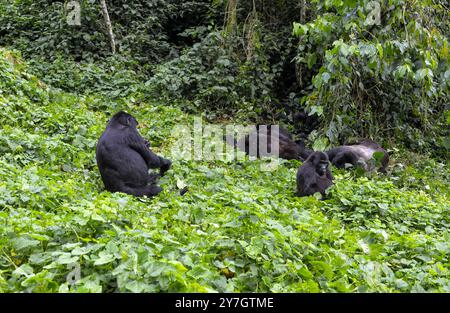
[(108, 25)]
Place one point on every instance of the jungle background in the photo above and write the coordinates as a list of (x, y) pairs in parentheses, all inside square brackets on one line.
[(330, 71)]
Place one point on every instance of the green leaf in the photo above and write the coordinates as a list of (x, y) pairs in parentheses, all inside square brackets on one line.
[(23, 243), (104, 258)]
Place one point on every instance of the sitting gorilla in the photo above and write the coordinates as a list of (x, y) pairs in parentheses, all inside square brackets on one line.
[(124, 158), (358, 154), (287, 148), (314, 175)]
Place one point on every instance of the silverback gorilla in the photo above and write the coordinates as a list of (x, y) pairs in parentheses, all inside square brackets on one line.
[(358, 154), (124, 158), (287, 148), (314, 175)]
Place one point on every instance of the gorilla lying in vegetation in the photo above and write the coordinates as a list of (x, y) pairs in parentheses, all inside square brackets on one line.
[(124, 158), (359, 154), (314, 175), (287, 148)]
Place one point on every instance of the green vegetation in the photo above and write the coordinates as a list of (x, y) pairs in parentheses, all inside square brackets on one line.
[(238, 229), (386, 80)]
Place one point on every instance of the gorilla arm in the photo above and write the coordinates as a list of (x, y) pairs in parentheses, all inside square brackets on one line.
[(310, 188), (152, 160), (307, 181)]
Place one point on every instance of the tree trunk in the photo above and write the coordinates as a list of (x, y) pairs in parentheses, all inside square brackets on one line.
[(230, 16), (108, 26)]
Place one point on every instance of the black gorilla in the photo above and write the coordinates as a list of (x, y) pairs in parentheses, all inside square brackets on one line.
[(124, 158), (314, 175), (287, 148), (358, 154)]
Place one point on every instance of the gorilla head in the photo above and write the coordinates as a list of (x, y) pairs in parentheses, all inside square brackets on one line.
[(124, 158), (358, 155), (314, 175), (124, 119)]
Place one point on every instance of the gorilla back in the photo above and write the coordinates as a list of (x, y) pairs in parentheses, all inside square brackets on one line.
[(124, 158), (358, 154), (262, 139)]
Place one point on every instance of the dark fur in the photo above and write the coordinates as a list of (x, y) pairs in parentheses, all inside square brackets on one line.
[(124, 158), (314, 175), (358, 154), (288, 148)]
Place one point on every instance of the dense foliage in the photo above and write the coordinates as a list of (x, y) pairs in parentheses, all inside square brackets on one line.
[(385, 78), (238, 229), (358, 69)]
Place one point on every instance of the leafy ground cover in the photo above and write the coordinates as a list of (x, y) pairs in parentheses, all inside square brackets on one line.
[(239, 228)]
